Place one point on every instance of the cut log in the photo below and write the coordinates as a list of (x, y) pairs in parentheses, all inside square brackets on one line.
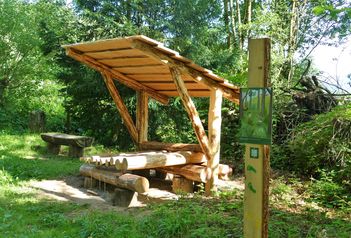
[(190, 171), (128, 181), (224, 171), (150, 160), (154, 145), (182, 185)]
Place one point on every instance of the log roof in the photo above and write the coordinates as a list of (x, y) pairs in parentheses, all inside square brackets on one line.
[(142, 63)]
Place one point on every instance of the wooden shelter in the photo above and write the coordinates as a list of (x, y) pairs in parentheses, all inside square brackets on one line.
[(157, 72)]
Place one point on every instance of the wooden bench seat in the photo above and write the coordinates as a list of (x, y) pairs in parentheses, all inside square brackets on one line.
[(76, 143)]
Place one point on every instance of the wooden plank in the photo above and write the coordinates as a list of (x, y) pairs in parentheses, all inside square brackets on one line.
[(154, 145), (159, 85), (191, 93), (127, 119), (199, 77), (109, 54), (142, 116), (192, 112), (167, 77), (101, 45), (128, 61), (120, 77), (143, 69), (214, 134), (257, 169)]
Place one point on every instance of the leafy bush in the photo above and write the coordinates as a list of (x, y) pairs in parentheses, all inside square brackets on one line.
[(323, 143), (327, 192)]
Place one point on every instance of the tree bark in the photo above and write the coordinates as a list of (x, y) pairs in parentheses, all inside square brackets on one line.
[(232, 21), (226, 22), (240, 33)]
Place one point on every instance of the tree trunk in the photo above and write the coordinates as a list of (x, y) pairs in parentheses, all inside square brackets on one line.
[(240, 33), (226, 22), (232, 21)]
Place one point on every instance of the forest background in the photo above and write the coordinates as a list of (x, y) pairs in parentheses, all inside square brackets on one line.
[(312, 118)]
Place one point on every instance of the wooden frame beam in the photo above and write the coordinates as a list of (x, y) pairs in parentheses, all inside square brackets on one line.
[(127, 119), (142, 116), (129, 82), (230, 94), (214, 135), (192, 112)]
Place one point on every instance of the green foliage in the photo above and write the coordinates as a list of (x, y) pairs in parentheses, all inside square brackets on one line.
[(325, 143), (328, 192)]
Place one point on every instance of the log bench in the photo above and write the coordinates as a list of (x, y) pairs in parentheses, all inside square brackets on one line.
[(76, 143)]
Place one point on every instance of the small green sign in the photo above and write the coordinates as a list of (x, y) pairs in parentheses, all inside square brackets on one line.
[(254, 153), (255, 116)]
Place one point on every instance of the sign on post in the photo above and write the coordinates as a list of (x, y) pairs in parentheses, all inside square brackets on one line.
[(255, 132)]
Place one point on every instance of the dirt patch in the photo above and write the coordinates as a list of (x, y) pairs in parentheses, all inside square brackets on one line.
[(71, 189)]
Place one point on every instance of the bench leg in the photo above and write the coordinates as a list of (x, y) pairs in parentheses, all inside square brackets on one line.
[(75, 151), (182, 185), (53, 148), (124, 197)]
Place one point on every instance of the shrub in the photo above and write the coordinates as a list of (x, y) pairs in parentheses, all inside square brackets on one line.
[(323, 143)]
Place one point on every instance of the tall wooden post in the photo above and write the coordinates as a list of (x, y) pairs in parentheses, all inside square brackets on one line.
[(142, 116), (257, 167), (214, 136)]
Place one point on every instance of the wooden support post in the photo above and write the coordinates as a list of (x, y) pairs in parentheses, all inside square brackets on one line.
[(53, 148), (127, 119), (142, 116), (192, 112), (257, 177), (214, 134)]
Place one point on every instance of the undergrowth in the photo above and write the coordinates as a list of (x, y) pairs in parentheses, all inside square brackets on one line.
[(25, 214)]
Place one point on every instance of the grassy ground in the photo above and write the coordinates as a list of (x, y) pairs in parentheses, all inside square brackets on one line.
[(23, 213)]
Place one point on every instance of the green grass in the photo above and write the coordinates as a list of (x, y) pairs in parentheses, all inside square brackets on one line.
[(23, 213)]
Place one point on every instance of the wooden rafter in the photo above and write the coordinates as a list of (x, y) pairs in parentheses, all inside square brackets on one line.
[(230, 94), (127, 119), (93, 63), (192, 112)]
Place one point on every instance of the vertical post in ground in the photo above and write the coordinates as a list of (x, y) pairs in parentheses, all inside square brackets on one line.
[(257, 168)]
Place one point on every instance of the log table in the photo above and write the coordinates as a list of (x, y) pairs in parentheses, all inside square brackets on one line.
[(76, 143)]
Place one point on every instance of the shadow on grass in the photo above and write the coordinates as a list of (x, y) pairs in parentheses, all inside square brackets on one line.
[(25, 157)]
